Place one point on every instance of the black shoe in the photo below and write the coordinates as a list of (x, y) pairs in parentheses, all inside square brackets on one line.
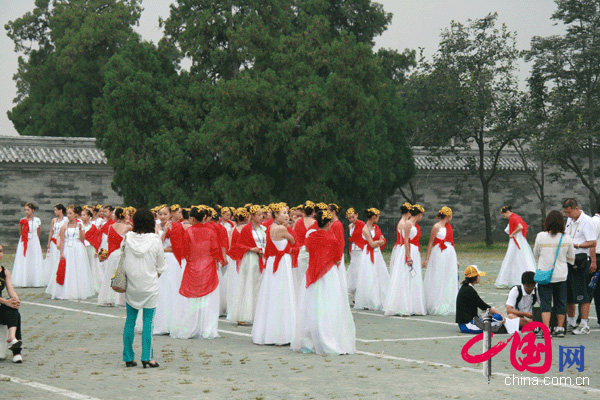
[(147, 364), (131, 364)]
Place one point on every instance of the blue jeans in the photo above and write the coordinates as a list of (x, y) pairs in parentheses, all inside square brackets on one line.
[(129, 332)]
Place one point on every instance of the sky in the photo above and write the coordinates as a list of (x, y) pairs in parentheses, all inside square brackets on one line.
[(415, 24)]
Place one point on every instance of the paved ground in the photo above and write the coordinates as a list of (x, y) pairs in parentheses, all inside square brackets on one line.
[(73, 349)]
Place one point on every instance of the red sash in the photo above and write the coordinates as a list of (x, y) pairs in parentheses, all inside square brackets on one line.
[(114, 241), (370, 250), (60, 272), (357, 237), (417, 239), (267, 224), (323, 250), (245, 241), (272, 251), (338, 231), (448, 238), (301, 230), (92, 236), (176, 236), (513, 223), (24, 234)]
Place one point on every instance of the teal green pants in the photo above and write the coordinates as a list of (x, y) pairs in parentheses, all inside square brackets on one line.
[(129, 333)]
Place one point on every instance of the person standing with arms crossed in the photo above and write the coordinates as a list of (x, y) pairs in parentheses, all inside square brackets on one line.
[(583, 231)]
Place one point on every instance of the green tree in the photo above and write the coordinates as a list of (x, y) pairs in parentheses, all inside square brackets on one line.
[(64, 48), (477, 100), (569, 66)]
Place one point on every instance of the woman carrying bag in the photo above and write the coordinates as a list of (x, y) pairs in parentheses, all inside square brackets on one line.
[(553, 249), (143, 260)]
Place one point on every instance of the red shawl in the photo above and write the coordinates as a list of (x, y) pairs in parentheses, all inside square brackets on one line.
[(371, 250), (301, 230), (235, 235), (223, 236), (107, 224), (267, 224), (337, 229), (417, 239), (448, 238), (272, 251), (513, 223), (114, 241), (93, 237), (24, 234), (201, 250), (176, 236), (357, 237), (323, 251), (245, 241)]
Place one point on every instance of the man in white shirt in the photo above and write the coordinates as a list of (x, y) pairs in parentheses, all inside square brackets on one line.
[(521, 299), (582, 230), (596, 294)]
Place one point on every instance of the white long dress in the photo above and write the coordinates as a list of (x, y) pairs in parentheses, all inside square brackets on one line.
[(96, 271), (516, 261), (355, 257), (168, 283), (106, 295), (406, 294), (441, 283), (325, 324), (53, 256), (248, 282), (28, 270), (196, 317), (373, 280), (275, 317), (78, 283), (230, 275)]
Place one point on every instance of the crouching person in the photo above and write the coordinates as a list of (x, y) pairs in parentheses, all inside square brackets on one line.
[(468, 301), (9, 312), (521, 299)]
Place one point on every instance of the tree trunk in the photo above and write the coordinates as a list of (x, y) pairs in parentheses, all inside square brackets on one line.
[(593, 198), (542, 193)]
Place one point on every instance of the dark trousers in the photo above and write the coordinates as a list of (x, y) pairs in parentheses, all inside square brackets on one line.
[(596, 293), (11, 317)]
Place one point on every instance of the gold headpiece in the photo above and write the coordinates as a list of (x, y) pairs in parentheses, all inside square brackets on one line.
[(326, 215), (350, 212), (418, 207), (254, 209), (321, 206), (374, 211), (407, 205), (278, 207), (225, 209), (175, 207), (309, 203), (447, 211), (163, 206), (242, 212)]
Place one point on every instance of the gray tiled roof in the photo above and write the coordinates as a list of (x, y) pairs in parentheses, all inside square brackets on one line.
[(466, 160), (50, 150)]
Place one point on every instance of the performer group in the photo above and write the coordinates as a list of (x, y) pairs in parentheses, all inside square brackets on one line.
[(280, 269)]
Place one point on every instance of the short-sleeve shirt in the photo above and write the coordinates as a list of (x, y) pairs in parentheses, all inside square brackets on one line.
[(582, 230), (596, 219), (526, 303)]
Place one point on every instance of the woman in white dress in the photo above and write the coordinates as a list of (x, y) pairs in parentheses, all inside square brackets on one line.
[(301, 228), (337, 228), (28, 269), (230, 273), (116, 232), (196, 310), (354, 235), (373, 277), (275, 318), (90, 229), (406, 294), (441, 278), (170, 281), (52, 252), (519, 257), (249, 249), (325, 324), (77, 283), (399, 246)]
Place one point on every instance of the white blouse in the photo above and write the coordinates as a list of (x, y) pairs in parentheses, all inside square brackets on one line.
[(545, 251)]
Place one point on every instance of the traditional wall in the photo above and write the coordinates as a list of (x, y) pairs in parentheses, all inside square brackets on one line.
[(46, 171)]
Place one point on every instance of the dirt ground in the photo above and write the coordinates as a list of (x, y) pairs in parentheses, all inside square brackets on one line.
[(73, 349)]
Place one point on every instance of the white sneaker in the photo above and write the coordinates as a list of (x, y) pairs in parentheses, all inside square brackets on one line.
[(17, 359), (581, 330), (15, 344), (570, 328)]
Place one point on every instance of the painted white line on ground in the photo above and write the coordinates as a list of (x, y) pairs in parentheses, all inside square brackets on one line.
[(404, 318), (477, 371), (235, 333), (410, 339), (74, 310), (48, 388)]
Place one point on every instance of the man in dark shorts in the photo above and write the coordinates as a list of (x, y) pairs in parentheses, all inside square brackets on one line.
[(583, 231)]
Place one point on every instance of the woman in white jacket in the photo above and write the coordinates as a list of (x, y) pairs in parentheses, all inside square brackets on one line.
[(144, 262)]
